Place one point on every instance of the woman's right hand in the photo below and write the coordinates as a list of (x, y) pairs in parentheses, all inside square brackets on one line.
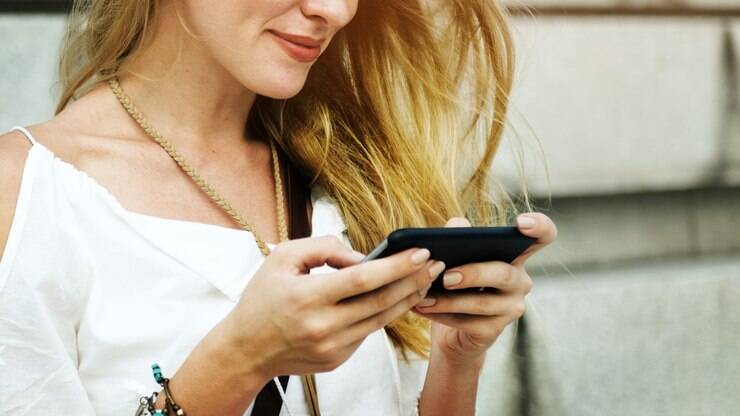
[(290, 322)]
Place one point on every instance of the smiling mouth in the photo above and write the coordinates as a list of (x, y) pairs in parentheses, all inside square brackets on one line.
[(306, 51)]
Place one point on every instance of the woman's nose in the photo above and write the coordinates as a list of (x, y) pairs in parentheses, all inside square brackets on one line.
[(336, 13)]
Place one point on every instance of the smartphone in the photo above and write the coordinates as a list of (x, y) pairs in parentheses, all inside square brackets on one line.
[(456, 246)]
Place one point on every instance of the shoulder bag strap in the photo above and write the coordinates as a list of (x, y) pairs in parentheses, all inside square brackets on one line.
[(268, 401)]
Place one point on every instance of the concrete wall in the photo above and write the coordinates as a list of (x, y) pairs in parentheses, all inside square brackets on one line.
[(28, 58), (634, 308), (625, 104)]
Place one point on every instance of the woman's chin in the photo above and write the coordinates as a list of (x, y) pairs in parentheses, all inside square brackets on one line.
[(275, 79), (282, 95), (282, 89)]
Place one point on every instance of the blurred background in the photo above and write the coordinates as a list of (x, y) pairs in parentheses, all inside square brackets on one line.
[(627, 113)]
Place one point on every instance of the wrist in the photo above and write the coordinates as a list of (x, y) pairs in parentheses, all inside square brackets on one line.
[(451, 384), (247, 358), (459, 361), (216, 377)]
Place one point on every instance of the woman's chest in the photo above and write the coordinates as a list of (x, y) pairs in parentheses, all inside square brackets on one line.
[(144, 179)]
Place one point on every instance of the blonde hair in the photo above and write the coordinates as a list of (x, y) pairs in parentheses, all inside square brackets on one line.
[(399, 119)]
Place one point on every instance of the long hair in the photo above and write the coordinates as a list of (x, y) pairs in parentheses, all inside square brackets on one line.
[(399, 119)]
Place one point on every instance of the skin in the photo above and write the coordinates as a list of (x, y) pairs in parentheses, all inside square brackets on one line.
[(198, 99)]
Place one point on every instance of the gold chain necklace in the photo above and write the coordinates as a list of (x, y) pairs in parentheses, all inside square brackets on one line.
[(125, 101), (309, 380)]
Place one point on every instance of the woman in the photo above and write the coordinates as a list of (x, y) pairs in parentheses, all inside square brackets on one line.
[(119, 216)]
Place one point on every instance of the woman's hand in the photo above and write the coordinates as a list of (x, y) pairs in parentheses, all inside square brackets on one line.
[(465, 325), (291, 322)]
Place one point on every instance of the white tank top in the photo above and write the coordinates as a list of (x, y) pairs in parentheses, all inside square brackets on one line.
[(92, 294)]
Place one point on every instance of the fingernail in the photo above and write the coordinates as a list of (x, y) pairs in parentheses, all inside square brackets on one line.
[(452, 278), (436, 269), (426, 302), (420, 256), (525, 222)]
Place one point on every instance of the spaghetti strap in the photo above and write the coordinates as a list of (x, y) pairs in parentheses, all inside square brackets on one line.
[(26, 133)]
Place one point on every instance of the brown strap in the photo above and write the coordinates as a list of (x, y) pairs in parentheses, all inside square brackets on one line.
[(298, 195), (268, 401), (312, 396)]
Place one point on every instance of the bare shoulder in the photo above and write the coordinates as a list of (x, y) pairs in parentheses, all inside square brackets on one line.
[(85, 132), (14, 149), (70, 136)]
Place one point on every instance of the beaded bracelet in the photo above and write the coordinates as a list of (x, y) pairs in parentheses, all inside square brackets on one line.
[(147, 403)]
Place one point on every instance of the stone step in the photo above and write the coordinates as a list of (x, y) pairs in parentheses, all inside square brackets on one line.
[(652, 339), (611, 230)]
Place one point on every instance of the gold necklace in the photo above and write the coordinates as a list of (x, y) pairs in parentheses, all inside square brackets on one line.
[(125, 101), (309, 380)]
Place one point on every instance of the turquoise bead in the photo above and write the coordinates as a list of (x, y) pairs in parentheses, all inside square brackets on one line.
[(157, 373)]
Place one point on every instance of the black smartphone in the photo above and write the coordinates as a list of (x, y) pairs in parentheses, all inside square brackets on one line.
[(456, 246)]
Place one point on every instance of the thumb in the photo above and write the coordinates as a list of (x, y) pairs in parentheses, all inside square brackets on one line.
[(307, 253), (457, 222)]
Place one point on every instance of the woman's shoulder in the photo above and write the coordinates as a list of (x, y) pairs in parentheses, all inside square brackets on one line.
[(39, 163), (89, 135), (14, 148), (55, 141), (86, 136), (30, 179), (32, 214)]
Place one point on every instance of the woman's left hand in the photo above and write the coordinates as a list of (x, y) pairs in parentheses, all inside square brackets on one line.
[(465, 325)]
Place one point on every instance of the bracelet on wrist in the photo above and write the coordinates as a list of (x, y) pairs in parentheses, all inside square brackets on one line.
[(147, 403)]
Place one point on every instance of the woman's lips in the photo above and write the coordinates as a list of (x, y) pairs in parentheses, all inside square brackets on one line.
[(299, 52)]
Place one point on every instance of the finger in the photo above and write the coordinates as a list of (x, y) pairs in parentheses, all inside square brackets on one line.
[(483, 304), (371, 324), (458, 222), (497, 274), (307, 253), (369, 304), (366, 277), (485, 326), (539, 226)]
